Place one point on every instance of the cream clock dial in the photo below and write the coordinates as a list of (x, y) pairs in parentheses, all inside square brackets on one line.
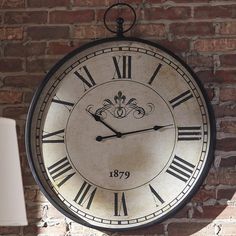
[(120, 134)]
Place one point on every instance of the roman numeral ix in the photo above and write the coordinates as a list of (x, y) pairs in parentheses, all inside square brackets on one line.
[(84, 75), (122, 67), (85, 195), (180, 169), (61, 171)]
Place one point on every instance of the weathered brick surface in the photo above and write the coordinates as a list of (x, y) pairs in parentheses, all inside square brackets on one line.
[(34, 34)]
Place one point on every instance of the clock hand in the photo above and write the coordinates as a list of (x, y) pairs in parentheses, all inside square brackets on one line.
[(155, 128), (98, 118)]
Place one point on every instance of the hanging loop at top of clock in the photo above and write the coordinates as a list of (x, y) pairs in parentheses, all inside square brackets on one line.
[(121, 8)]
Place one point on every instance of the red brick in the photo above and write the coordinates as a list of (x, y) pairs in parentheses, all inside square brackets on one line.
[(228, 126), (227, 28), (15, 112), (11, 65), (48, 32), (179, 1), (228, 94), (71, 17), (228, 60), (91, 3), (228, 162), (191, 228), (220, 76), (61, 48), (149, 30), (228, 193), (11, 33), (214, 45), (40, 65), (27, 177), (89, 32), (12, 3), (192, 29), (203, 195), (28, 96), (30, 17), (177, 45), (10, 97), (210, 12), (24, 49), (30, 194), (228, 109), (9, 230), (171, 13), (200, 61), (23, 81), (227, 144), (47, 3), (152, 230), (216, 212), (100, 3), (113, 14)]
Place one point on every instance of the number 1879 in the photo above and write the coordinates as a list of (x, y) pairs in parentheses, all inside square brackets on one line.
[(119, 174)]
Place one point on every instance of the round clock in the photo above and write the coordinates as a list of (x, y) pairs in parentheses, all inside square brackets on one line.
[(120, 134)]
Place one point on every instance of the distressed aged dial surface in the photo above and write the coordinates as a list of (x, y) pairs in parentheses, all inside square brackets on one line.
[(119, 135)]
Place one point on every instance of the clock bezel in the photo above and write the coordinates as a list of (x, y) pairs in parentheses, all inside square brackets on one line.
[(59, 204)]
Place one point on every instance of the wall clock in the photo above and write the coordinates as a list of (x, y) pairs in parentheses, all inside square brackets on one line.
[(120, 134)]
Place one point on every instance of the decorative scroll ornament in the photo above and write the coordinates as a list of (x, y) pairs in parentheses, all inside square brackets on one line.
[(120, 108)]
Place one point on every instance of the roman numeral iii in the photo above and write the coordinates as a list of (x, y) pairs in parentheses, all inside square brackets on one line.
[(190, 133), (180, 169), (61, 171), (120, 204), (122, 67), (84, 75), (85, 195)]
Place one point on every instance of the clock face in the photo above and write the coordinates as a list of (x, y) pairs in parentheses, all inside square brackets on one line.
[(119, 135)]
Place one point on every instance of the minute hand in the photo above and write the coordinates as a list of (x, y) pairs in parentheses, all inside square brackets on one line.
[(155, 128)]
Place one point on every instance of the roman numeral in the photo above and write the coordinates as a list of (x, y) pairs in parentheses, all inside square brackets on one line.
[(122, 67), (157, 197), (155, 74), (120, 204), (85, 195), (183, 97), (62, 171), (54, 137), (86, 78), (180, 169), (67, 105), (190, 133)]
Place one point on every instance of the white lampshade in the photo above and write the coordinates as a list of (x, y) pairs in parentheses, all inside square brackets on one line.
[(12, 203)]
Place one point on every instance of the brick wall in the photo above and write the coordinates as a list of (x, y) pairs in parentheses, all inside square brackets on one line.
[(34, 34)]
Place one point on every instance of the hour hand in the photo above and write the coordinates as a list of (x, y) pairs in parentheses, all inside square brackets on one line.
[(99, 119)]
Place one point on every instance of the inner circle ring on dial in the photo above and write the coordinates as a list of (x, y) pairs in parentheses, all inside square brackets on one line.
[(117, 81)]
